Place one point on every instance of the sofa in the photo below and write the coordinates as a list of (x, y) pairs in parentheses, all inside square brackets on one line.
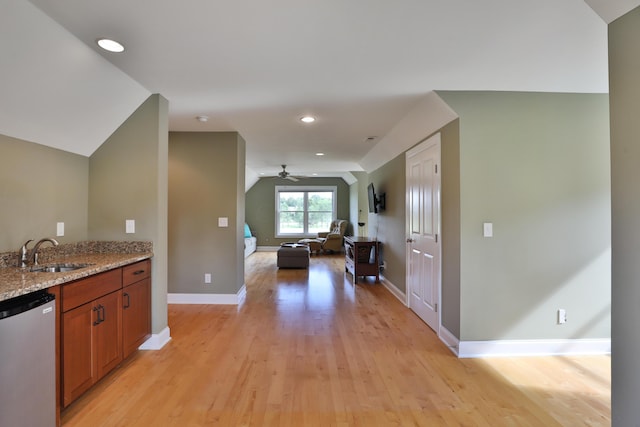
[(250, 241)]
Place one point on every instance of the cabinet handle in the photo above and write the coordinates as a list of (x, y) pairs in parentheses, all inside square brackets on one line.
[(99, 309), (135, 273), (128, 304), (97, 321)]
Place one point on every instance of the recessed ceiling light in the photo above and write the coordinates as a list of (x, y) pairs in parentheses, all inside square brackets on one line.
[(319, 154), (110, 45), (307, 119), (202, 118)]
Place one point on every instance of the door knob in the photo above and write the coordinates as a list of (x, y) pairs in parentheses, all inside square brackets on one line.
[(409, 240)]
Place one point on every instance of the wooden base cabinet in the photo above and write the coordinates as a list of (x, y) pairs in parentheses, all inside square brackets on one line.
[(104, 319), (136, 306), (91, 332), (57, 292), (361, 257)]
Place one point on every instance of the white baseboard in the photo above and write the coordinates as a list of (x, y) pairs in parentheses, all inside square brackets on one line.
[(449, 339), (505, 348), (229, 299), (267, 248), (242, 294), (402, 297), (157, 341), (511, 348)]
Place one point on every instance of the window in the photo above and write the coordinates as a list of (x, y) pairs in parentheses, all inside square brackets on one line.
[(304, 211)]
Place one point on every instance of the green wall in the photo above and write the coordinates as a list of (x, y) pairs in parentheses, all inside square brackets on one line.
[(206, 182), (536, 166), (260, 205), (241, 155), (389, 225), (125, 178), (41, 186), (624, 75), (128, 180), (450, 226), (358, 205)]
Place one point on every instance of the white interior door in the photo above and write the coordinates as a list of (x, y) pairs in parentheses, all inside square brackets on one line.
[(423, 225)]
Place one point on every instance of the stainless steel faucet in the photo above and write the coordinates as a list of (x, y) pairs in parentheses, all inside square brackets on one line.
[(24, 251), (25, 256)]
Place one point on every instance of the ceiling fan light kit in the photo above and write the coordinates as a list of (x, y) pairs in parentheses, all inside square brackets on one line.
[(286, 175)]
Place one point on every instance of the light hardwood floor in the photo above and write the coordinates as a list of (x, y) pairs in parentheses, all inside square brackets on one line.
[(308, 348)]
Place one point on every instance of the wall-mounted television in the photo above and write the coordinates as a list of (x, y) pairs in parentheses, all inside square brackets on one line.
[(375, 204)]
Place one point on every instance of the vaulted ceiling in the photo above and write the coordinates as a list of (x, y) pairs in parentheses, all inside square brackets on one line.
[(256, 67)]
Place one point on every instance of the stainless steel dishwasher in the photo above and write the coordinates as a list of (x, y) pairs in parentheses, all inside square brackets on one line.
[(27, 361)]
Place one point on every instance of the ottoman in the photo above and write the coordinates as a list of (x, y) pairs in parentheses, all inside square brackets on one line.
[(293, 255), (315, 245)]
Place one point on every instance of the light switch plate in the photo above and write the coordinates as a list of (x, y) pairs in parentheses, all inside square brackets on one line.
[(223, 221), (562, 316), (130, 226), (487, 229), (60, 229)]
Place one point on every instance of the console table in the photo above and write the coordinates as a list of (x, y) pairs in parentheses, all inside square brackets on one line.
[(361, 257)]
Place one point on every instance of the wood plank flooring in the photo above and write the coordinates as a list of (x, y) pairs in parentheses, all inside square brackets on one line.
[(308, 348)]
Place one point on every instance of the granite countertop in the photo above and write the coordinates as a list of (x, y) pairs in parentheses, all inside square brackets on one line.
[(16, 281)]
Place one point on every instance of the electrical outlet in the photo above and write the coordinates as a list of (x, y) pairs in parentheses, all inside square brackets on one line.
[(562, 316), (130, 226), (207, 278), (60, 229)]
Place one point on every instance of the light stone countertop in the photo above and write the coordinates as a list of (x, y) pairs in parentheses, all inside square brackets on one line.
[(15, 281)]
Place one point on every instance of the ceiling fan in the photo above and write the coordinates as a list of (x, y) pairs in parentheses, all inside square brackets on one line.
[(286, 175)]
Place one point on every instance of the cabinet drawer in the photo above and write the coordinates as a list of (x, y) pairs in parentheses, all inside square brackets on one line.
[(82, 291), (135, 272)]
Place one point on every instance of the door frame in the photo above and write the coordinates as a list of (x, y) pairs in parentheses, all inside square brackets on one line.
[(436, 140)]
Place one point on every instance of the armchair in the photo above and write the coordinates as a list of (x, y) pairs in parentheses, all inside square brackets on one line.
[(332, 240)]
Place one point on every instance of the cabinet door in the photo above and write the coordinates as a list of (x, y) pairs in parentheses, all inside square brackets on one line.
[(108, 333), (78, 371), (136, 315)]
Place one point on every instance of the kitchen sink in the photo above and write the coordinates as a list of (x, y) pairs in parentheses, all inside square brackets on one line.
[(57, 268)]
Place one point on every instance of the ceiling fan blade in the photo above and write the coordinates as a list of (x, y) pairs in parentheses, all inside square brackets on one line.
[(292, 178)]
